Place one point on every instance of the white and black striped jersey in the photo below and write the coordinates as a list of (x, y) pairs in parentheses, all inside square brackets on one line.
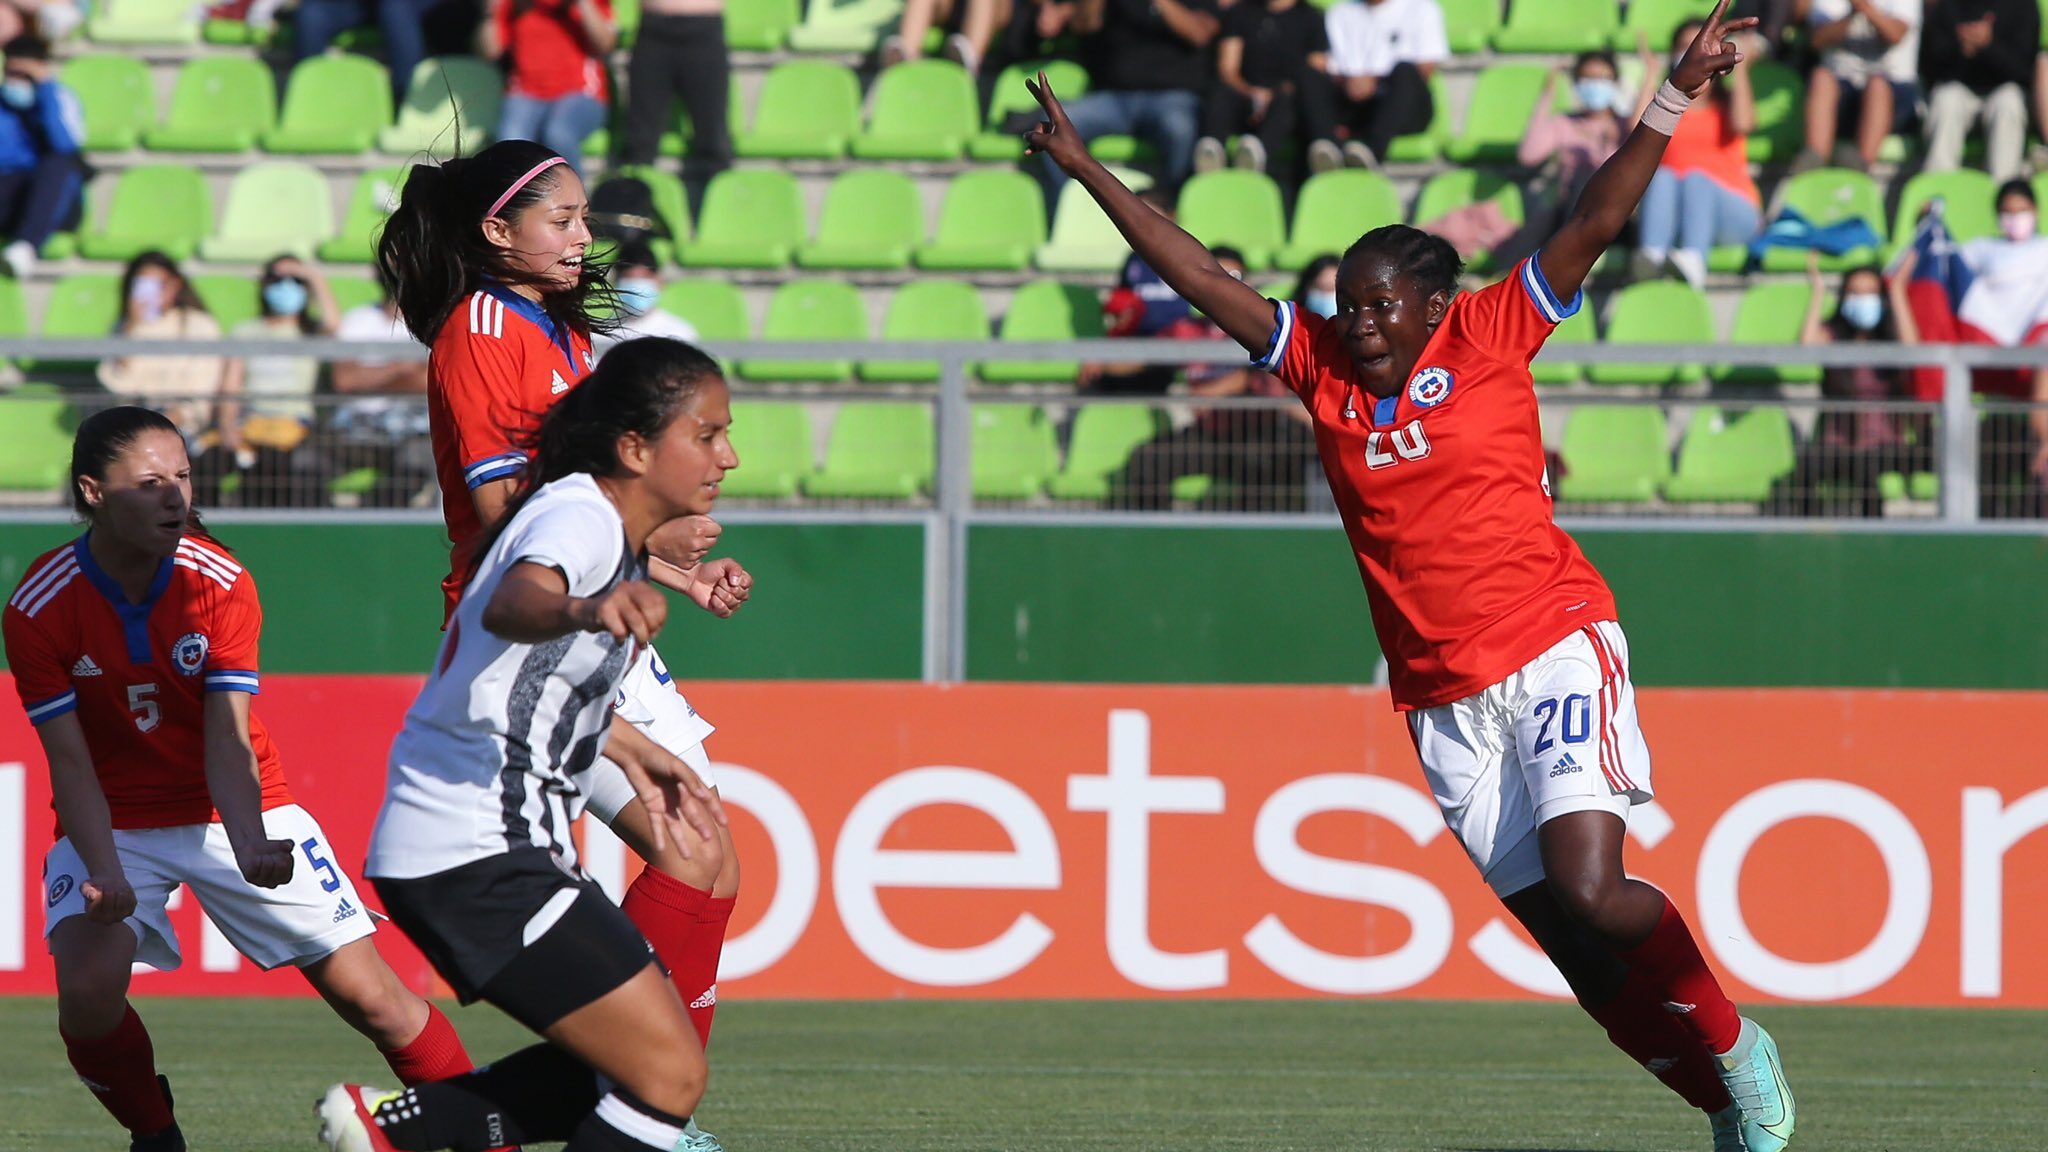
[(494, 749)]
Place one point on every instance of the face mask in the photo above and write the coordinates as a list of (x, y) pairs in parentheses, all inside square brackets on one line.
[(638, 296), (1323, 304), (285, 297), (2017, 226), (1863, 311), (147, 293), (1596, 93), (18, 93)]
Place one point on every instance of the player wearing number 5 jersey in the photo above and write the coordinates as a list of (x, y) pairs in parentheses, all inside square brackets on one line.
[(134, 649), (1501, 640)]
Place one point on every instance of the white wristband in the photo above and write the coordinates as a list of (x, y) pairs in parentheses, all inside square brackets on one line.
[(1665, 109)]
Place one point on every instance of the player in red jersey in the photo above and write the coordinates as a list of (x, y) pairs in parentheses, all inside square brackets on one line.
[(1500, 638), (133, 648), (485, 257)]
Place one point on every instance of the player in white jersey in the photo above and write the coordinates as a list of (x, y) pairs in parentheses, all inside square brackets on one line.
[(472, 854)]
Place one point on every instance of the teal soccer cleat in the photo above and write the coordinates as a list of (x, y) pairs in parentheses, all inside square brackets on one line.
[(1756, 1080), (696, 1139), (1728, 1129)]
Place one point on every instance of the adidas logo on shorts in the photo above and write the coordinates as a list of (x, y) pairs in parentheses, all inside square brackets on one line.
[(343, 911), (1565, 767), (708, 1000)]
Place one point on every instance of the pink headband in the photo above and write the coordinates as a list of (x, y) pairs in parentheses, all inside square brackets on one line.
[(522, 182)]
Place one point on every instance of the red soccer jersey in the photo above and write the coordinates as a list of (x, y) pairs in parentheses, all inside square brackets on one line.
[(137, 674), (1443, 491), (497, 365), (546, 51)]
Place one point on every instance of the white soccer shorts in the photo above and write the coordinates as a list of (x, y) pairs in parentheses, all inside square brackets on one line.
[(648, 700), (1558, 736), (298, 922)]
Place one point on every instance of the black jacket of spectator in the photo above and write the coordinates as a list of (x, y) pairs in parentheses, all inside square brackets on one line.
[(2015, 39), (1137, 51), (1275, 43)]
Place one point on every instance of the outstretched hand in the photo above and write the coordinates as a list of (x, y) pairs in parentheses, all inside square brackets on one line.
[(1055, 135), (1712, 53)]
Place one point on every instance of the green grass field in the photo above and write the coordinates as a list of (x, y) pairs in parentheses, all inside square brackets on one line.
[(790, 1077)]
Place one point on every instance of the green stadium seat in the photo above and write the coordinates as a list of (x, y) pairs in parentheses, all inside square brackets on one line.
[(1101, 443), (236, 33), (221, 104), (773, 442), (713, 307), (162, 206), (1731, 458), (758, 25), (1046, 310), (1426, 146), (272, 209), (843, 26), (117, 97), (1967, 207), (2041, 196), (928, 310), (1655, 312), (230, 297), (807, 110), (82, 305), (923, 110), (876, 452), (1453, 189), (35, 440), (1771, 312), (1503, 99), (1557, 26), (992, 220), (13, 311), (143, 22), (1470, 24), (627, 15), (1824, 196), (1238, 208), (752, 218), (1333, 210), (373, 198), (353, 292), (1068, 79), (1656, 20), (1614, 454), (1555, 366), (1083, 239), (1779, 93), (804, 310), (872, 219), (450, 100), (333, 105), (1013, 452)]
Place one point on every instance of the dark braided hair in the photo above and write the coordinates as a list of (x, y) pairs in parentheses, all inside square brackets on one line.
[(1424, 257)]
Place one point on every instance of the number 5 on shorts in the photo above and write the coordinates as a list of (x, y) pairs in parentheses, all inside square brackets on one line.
[(1578, 720), (330, 880)]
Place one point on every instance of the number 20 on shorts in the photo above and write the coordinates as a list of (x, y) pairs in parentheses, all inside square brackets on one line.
[(1577, 712)]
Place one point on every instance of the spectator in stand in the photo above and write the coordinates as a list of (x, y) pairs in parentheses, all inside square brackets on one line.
[(556, 87), (265, 418), (1272, 86), (413, 30), (1140, 305), (1977, 61), (41, 169), (383, 424), (1382, 54), (1149, 60), (158, 303), (1867, 81), (1702, 195), (1563, 149), (970, 27), (2006, 304), (1839, 466), (636, 274), (679, 53), (1259, 457)]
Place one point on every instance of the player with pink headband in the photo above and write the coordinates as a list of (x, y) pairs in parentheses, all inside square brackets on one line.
[(487, 259)]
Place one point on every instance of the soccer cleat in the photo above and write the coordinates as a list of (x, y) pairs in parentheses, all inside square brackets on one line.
[(1728, 1129), (348, 1119), (1756, 1080), (168, 1140), (696, 1139)]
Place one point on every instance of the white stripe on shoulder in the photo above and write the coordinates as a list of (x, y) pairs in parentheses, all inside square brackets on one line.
[(211, 552), (497, 318), (475, 310), (213, 562), (34, 604), (184, 561), (39, 577)]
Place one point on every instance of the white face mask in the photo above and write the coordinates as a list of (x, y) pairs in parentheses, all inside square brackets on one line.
[(2017, 226)]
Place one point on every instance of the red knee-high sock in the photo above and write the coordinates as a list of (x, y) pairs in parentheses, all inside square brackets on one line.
[(1638, 1024), (120, 1068), (1671, 963), (666, 910), (697, 980), (435, 1054)]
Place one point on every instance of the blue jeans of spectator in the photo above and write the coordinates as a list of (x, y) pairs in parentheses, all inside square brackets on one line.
[(34, 202), (1692, 212), (561, 124), (1168, 120), (403, 23)]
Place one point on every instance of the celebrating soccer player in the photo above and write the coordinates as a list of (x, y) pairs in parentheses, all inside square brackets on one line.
[(134, 650), (485, 257), (1501, 640), (472, 854)]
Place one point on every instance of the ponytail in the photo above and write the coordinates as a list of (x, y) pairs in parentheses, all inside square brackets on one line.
[(100, 440)]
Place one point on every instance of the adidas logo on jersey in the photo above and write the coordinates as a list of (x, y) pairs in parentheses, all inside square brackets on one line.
[(558, 385), (85, 667), (343, 911), (708, 1000), (1565, 766)]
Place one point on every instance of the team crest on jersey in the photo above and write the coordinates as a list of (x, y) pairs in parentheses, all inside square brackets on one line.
[(1430, 387), (59, 889), (189, 653)]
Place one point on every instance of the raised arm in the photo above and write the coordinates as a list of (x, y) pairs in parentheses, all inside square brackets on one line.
[(1180, 259), (1611, 196)]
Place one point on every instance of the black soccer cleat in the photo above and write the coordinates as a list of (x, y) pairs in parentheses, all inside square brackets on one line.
[(168, 1140)]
